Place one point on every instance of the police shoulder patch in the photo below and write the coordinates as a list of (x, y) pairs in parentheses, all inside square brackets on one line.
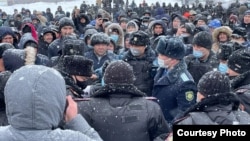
[(189, 95)]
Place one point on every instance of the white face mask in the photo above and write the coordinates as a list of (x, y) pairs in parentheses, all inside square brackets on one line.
[(161, 63)]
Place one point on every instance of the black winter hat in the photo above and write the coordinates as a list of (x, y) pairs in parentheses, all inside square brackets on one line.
[(99, 38), (225, 50), (78, 65), (239, 32), (139, 38), (119, 72), (172, 47), (65, 21), (239, 60), (5, 46), (213, 82), (203, 39)]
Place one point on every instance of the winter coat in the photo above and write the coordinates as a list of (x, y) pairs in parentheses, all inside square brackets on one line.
[(37, 112), (80, 26), (4, 76), (241, 86), (144, 69), (217, 109), (99, 62), (121, 112), (55, 47), (31, 51), (154, 36), (197, 67), (175, 90)]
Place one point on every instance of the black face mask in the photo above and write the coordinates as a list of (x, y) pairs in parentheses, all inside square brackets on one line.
[(82, 84)]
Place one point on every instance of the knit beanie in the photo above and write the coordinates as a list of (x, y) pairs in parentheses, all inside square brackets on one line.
[(65, 21), (119, 72), (213, 82)]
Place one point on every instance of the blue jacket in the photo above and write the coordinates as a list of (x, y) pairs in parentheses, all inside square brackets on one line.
[(175, 90)]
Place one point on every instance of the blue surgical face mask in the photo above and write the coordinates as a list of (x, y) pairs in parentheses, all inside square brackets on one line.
[(110, 51), (197, 53), (161, 63), (114, 37), (223, 68), (135, 52)]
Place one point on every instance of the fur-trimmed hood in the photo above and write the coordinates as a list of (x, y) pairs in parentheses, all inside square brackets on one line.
[(134, 23), (120, 41), (224, 29)]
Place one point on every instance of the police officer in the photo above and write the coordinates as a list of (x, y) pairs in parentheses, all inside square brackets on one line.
[(174, 86), (141, 57)]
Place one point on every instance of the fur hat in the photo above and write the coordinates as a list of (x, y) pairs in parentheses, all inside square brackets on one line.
[(239, 60), (119, 72), (223, 29), (78, 65), (172, 47), (65, 21), (139, 38), (99, 38), (203, 39), (225, 50), (213, 82)]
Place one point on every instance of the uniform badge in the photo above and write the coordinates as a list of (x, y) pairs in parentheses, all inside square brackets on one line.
[(135, 38), (189, 95)]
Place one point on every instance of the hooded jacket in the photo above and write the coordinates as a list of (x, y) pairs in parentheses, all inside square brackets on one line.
[(35, 114)]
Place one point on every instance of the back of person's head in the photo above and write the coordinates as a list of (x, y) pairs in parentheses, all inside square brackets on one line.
[(35, 98), (213, 82), (119, 72), (239, 60)]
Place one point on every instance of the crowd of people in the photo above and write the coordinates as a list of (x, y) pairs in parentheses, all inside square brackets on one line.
[(129, 74)]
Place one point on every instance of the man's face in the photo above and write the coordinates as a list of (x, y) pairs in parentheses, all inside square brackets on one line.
[(223, 37), (67, 30), (201, 22), (176, 23), (8, 39), (158, 29), (204, 51), (123, 25), (48, 37), (99, 21), (100, 49), (246, 19)]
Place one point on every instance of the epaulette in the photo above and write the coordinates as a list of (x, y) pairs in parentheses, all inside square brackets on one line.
[(184, 77)]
